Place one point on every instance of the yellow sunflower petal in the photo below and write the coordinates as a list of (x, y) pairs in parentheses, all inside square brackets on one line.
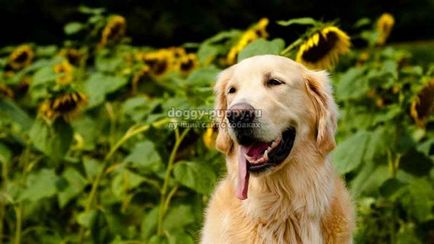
[(322, 49)]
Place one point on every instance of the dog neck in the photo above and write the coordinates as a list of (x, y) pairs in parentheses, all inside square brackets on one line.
[(302, 185)]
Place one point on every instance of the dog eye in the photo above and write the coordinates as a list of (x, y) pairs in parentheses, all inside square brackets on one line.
[(232, 90), (274, 82)]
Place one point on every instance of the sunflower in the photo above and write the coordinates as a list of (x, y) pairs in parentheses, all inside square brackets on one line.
[(114, 30), (21, 57), (159, 62), (188, 62), (5, 91), (142, 75), (422, 105), (209, 137), (65, 72), (177, 52), (255, 32), (74, 56), (321, 50), (363, 57), (65, 105), (384, 27)]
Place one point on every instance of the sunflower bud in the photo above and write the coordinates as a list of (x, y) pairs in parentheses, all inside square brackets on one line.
[(209, 137), (422, 106), (64, 70), (21, 57), (384, 27), (114, 30), (255, 32)]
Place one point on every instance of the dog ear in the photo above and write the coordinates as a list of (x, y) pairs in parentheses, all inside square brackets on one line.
[(224, 143), (320, 90)]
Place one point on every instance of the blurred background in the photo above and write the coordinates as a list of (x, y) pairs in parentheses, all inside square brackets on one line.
[(99, 144), (165, 23)]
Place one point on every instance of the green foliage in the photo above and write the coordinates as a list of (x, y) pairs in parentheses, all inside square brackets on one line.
[(115, 167)]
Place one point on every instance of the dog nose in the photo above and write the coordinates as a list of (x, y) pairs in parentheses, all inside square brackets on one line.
[(241, 113)]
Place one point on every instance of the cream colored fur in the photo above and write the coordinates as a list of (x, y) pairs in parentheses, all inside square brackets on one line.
[(300, 201)]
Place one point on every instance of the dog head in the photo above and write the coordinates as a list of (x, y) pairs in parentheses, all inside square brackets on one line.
[(268, 106)]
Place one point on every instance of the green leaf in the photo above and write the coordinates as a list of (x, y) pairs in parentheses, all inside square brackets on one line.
[(407, 235), (109, 61), (351, 84), (89, 129), (42, 76), (297, 21), (47, 51), (124, 181), (195, 175), (348, 154), (5, 154), (11, 112), (99, 85), (86, 219), (92, 167), (369, 179), (203, 76), (379, 143), (39, 185), (53, 140), (137, 108), (390, 187), (92, 11), (391, 67), (421, 199), (362, 22), (149, 223), (145, 157), (73, 28), (224, 35), (207, 52), (157, 239), (260, 47), (416, 163), (179, 237), (178, 217), (76, 183)]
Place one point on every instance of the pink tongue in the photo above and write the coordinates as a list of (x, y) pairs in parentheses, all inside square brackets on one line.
[(243, 174), (256, 151)]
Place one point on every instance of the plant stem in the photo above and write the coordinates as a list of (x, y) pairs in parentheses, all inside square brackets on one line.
[(163, 197), (393, 162), (24, 159), (18, 227), (290, 47), (2, 200), (134, 130)]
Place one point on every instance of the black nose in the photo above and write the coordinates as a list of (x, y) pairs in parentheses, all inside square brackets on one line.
[(241, 113)]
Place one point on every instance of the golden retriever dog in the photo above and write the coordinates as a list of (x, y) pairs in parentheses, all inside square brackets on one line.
[(276, 133)]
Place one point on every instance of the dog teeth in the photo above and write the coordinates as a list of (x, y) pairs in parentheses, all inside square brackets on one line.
[(261, 160), (276, 142), (250, 159), (266, 155)]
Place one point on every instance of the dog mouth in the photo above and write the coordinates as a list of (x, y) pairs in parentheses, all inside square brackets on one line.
[(258, 157)]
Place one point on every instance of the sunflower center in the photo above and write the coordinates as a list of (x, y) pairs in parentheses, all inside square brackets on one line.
[(22, 57), (66, 105), (160, 67), (426, 104), (325, 44), (187, 65), (116, 30)]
